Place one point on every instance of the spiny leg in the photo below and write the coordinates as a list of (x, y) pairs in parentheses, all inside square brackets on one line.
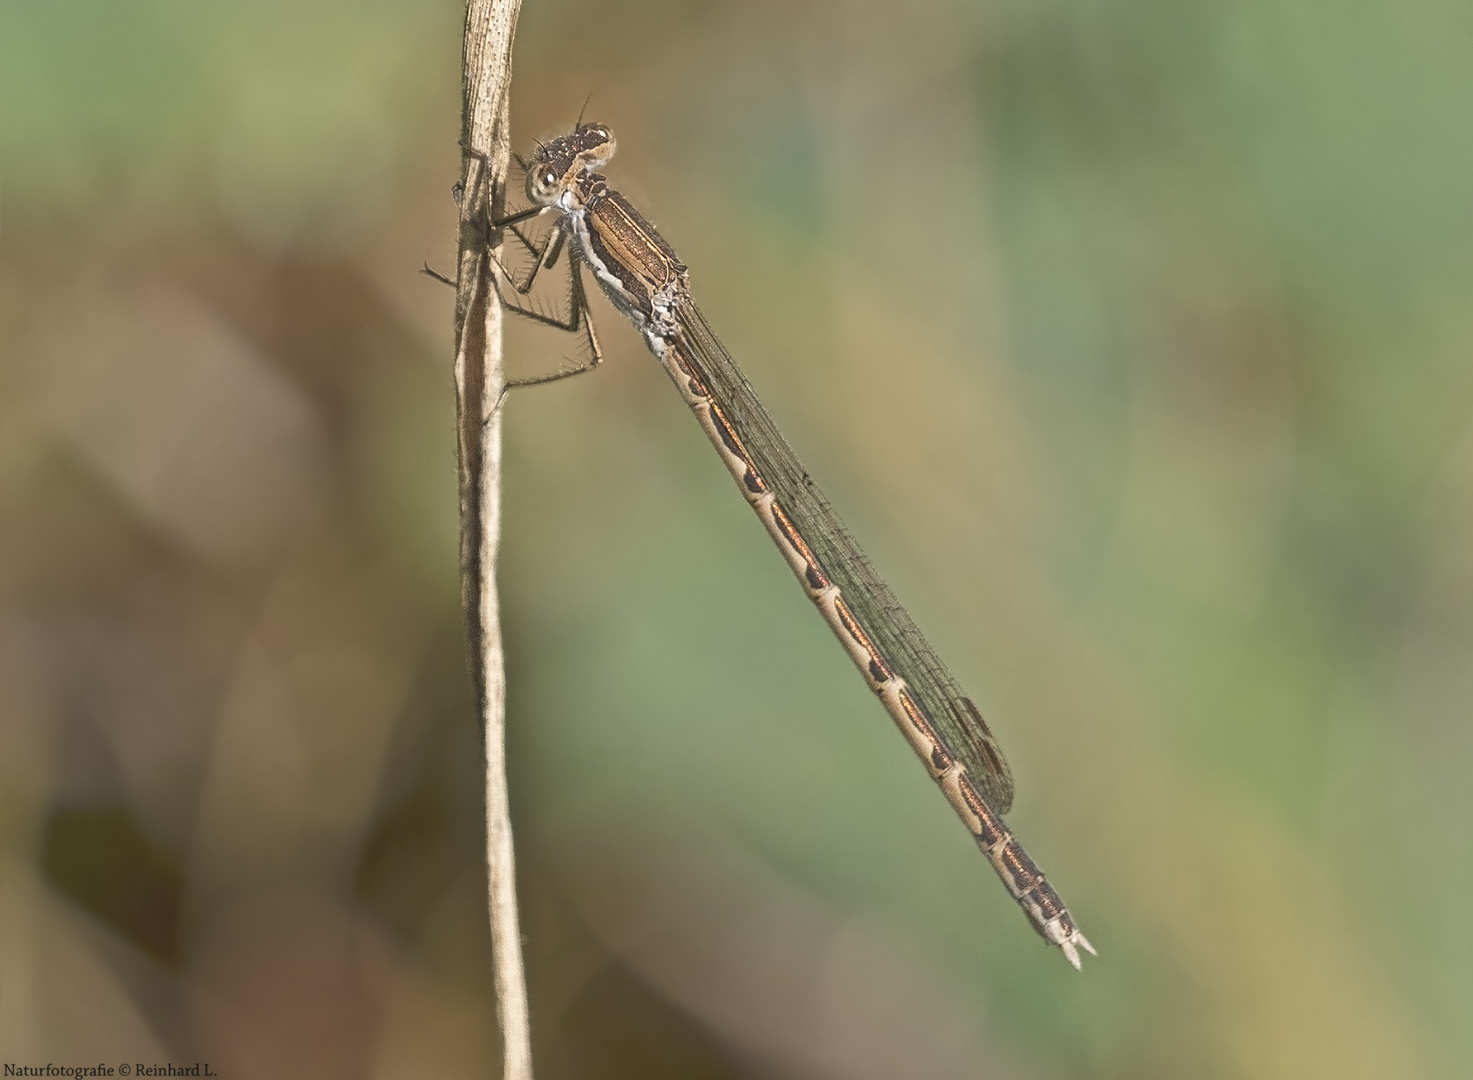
[(430, 271), (510, 225), (546, 256), (578, 317)]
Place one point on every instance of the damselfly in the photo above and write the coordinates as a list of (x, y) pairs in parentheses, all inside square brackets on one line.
[(641, 275)]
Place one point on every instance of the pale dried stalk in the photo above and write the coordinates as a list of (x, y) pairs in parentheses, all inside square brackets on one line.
[(479, 381)]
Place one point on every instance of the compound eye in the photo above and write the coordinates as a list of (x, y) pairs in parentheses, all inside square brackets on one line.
[(542, 183)]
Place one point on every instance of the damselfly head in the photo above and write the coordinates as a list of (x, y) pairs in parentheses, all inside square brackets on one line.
[(557, 165)]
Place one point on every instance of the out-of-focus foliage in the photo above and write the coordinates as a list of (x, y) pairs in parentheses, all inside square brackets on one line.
[(1132, 339)]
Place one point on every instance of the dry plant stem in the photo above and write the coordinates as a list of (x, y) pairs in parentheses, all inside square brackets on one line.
[(479, 381)]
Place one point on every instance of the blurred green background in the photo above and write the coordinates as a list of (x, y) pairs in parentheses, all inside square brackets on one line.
[(1132, 338)]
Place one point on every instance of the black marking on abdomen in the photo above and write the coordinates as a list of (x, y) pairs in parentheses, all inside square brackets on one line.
[(813, 574), (750, 478), (990, 828), (693, 381), (728, 437), (855, 631), (1023, 871), (940, 759)]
